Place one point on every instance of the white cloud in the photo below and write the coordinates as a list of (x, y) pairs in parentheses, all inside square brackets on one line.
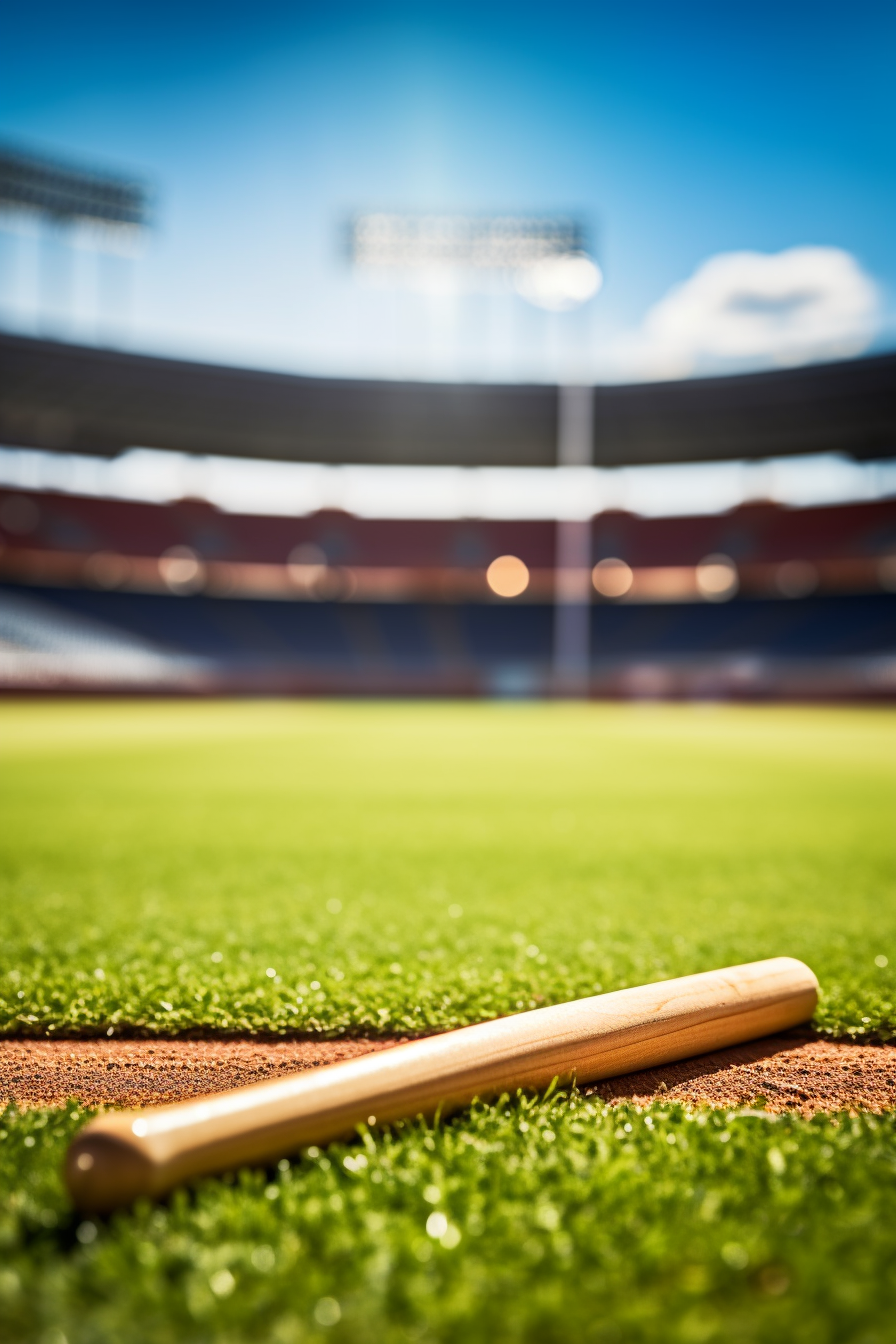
[(750, 310)]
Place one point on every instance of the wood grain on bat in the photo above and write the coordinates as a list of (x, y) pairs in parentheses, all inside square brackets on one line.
[(119, 1157)]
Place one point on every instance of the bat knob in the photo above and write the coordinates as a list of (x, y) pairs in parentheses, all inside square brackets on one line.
[(104, 1172)]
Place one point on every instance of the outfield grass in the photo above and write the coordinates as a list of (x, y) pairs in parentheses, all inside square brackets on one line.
[(402, 868)]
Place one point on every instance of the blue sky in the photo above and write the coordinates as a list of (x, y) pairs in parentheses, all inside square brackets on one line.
[(760, 136)]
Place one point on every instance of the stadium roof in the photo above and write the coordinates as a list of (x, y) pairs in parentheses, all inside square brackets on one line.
[(87, 400)]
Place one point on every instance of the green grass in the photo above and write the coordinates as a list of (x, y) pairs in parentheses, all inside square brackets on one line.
[(559, 1221), (415, 867), (404, 868)]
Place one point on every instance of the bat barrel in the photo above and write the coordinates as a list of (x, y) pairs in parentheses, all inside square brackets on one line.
[(120, 1157)]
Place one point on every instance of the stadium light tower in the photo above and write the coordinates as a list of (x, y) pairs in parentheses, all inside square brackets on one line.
[(545, 257), (541, 259), (63, 196)]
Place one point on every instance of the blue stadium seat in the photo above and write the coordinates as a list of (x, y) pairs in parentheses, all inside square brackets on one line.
[(426, 639)]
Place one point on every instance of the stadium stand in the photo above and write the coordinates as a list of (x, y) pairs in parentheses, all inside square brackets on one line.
[(101, 593), (61, 524)]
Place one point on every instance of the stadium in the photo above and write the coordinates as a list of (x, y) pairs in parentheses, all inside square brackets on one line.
[(447, 770), (187, 594)]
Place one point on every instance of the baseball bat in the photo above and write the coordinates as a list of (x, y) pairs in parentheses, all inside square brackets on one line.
[(119, 1157)]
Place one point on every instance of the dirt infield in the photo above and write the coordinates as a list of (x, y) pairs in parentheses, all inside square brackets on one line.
[(780, 1073), (149, 1073), (791, 1073)]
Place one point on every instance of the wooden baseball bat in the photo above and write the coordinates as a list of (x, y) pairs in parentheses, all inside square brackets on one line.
[(121, 1156)]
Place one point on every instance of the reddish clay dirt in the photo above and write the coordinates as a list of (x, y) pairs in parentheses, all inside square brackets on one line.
[(791, 1073), (150, 1073), (780, 1073)]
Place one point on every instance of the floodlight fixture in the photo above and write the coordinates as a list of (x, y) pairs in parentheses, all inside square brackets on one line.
[(560, 283), (494, 243), (69, 194), (543, 258)]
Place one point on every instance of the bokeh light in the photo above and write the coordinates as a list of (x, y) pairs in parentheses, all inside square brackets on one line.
[(181, 569), (107, 569), (612, 577), (508, 576), (307, 566), (717, 578), (560, 283), (796, 578)]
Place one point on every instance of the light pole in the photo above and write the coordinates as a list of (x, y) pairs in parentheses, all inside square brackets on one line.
[(572, 582), (62, 197)]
